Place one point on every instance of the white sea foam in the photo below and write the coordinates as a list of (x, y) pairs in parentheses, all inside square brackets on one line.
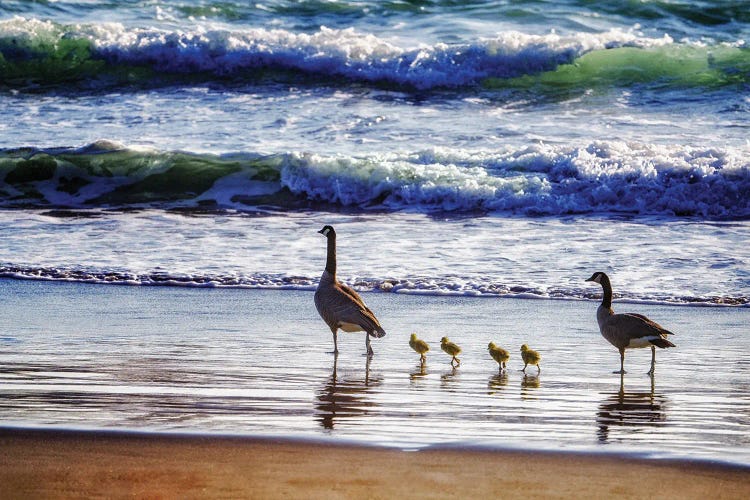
[(649, 259)]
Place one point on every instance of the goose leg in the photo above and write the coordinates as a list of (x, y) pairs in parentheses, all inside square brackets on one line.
[(335, 342), (653, 360), (367, 344), (622, 362)]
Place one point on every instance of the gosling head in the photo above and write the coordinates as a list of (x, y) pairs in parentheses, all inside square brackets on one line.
[(491, 345), (524, 347), (598, 277), (444, 340), (327, 231), (413, 336)]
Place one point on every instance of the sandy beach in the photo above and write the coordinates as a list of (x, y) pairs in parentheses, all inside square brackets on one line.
[(72, 464)]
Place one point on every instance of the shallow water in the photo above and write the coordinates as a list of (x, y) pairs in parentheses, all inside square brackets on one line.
[(252, 362)]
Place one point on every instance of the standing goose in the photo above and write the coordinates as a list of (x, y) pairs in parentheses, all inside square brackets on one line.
[(339, 305), (627, 330)]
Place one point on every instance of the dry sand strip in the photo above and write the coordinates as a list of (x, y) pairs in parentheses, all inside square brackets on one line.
[(80, 464)]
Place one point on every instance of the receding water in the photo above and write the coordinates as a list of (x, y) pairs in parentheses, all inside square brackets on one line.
[(258, 362)]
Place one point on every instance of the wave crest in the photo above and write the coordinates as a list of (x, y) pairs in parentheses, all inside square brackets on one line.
[(34, 52), (601, 177)]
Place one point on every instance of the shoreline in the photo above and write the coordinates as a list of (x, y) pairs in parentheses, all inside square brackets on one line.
[(11, 430), (206, 283), (62, 463)]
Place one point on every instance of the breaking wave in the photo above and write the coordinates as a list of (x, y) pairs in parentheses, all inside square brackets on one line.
[(600, 177), (40, 54)]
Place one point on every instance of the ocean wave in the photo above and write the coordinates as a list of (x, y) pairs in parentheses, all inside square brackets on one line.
[(600, 177), (452, 286), (39, 54)]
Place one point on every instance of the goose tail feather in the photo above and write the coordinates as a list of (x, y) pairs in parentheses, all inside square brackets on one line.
[(377, 333), (663, 343)]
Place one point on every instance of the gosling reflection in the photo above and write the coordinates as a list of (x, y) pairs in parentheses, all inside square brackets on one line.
[(344, 398), (419, 373), (449, 380), (497, 383), (633, 410), (529, 383)]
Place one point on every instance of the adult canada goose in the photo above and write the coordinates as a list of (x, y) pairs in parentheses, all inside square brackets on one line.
[(420, 346), (498, 354), (627, 330), (339, 305), (530, 357), (452, 349)]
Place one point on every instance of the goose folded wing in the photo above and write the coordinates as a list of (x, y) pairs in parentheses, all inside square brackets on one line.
[(635, 326), (340, 304), (663, 330)]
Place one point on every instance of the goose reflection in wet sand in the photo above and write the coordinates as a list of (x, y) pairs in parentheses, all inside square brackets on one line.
[(344, 398), (497, 383), (633, 410)]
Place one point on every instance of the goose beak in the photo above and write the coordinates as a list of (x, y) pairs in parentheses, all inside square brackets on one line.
[(591, 278), (321, 231)]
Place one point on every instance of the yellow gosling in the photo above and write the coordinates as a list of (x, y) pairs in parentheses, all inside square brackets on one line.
[(498, 354), (530, 357), (452, 349), (420, 346)]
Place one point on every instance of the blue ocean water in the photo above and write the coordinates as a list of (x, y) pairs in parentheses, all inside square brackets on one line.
[(467, 151), (618, 131)]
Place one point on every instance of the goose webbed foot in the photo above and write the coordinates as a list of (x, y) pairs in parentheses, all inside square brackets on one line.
[(620, 372)]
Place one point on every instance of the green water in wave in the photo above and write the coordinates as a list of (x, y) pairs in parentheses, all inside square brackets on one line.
[(678, 66), (120, 176)]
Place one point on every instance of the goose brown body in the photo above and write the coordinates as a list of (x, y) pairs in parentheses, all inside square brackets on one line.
[(339, 305), (627, 330)]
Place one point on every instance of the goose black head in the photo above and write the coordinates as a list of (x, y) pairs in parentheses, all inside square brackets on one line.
[(598, 277), (327, 230)]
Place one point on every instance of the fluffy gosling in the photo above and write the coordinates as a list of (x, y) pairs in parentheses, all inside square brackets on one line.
[(420, 346), (498, 354), (452, 349), (530, 357)]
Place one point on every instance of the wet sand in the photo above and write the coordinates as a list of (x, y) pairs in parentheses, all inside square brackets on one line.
[(78, 464)]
